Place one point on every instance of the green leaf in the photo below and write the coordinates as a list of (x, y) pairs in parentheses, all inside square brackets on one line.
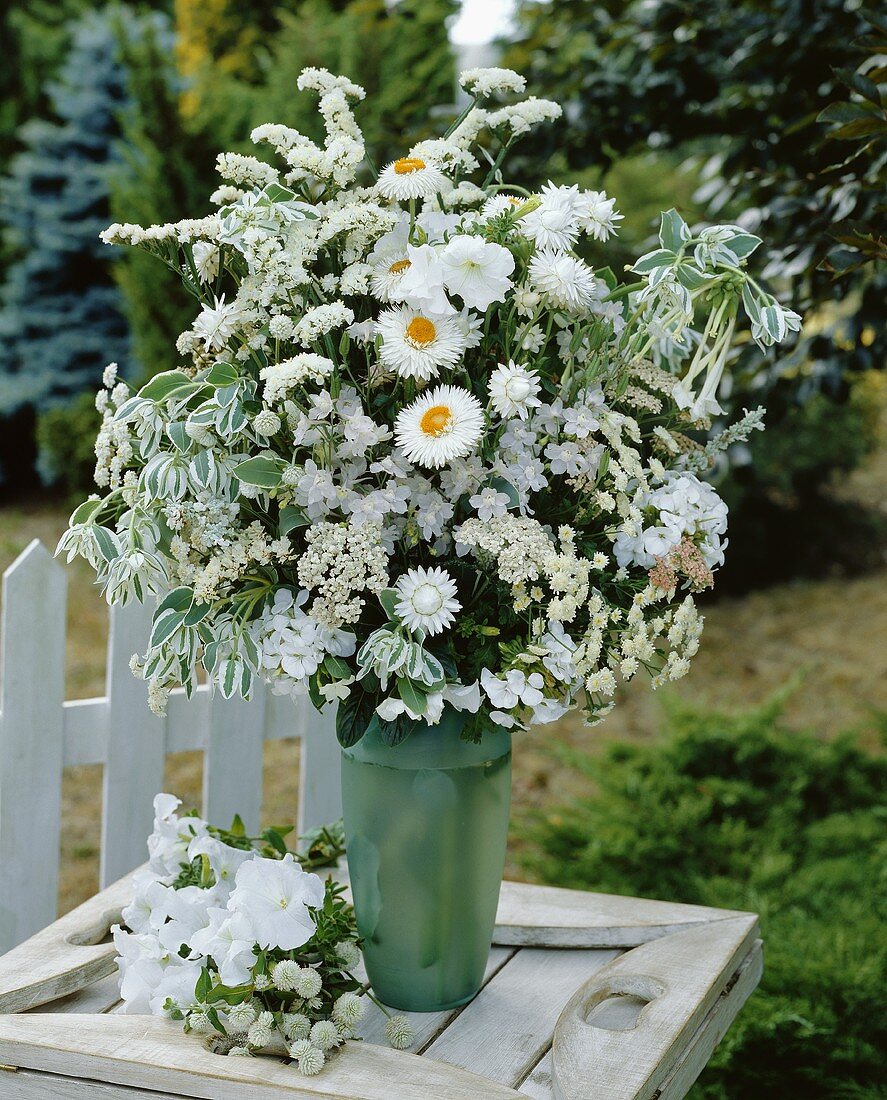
[(276, 841), (412, 695), (336, 667), (862, 127), (352, 718), (85, 511), (388, 598), (291, 518), (661, 257), (180, 599), (860, 83), (222, 374), (163, 384), (843, 112), (608, 276), (673, 230), (176, 432), (204, 985), (237, 826), (107, 542), (743, 244), (276, 193), (264, 472), (396, 732)]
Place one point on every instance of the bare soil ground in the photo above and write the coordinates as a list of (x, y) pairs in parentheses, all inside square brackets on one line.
[(827, 638)]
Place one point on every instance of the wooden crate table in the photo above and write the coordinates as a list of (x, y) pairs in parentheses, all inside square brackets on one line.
[(586, 997)]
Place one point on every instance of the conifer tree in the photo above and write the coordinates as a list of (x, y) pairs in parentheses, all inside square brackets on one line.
[(61, 320)]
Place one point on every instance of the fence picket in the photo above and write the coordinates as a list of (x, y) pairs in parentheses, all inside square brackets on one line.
[(40, 733), (32, 692), (232, 767), (320, 789), (136, 749)]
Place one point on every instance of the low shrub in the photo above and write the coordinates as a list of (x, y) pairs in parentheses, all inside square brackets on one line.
[(741, 813)]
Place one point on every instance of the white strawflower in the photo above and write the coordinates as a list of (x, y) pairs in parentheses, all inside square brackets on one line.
[(598, 215), (410, 178), (296, 1026), (199, 1023), (218, 323), (568, 282), (477, 270), (555, 223), (348, 1009), (206, 260), (285, 975), (325, 1035), (399, 1032), (417, 346), (439, 426), (308, 984), (514, 390), (427, 600)]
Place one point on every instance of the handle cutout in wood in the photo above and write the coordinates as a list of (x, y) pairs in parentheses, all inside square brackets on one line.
[(618, 1003)]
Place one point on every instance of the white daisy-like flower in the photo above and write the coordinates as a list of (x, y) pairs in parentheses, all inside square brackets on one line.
[(555, 223), (386, 278), (568, 282), (417, 346), (599, 217), (411, 178), (218, 323), (514, 390), (206, 259), (441, 425), (427, 600), (478, 270), (499, 204)]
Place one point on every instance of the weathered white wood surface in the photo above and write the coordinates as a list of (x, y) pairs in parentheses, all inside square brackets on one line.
[(136, 750), (549, 1023), (40, 733), (680, 977), (32, 690)]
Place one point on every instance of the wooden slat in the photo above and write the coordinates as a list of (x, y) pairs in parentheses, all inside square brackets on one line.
[(577, 918), (232, 768), (539, 1083), (27, 1085), (142, 1051), (32, 690), (426, 1025), (681, 977), (86, 731), (508, 1027), (320, 787), (136, 749)]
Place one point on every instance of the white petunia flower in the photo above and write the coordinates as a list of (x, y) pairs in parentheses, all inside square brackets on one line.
[(274, 896), (410, 178), (441, 425), (427, 600), (514, 390), (477, 270), (416, 346), (422, 283)]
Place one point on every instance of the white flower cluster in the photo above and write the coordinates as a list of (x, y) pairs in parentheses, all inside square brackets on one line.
[(419, 453), (223, 937)]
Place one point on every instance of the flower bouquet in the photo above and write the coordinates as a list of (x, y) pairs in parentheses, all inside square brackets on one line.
[(420, 459), (238, 938)]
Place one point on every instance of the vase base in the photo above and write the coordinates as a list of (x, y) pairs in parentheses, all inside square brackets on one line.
[(410, 1004)]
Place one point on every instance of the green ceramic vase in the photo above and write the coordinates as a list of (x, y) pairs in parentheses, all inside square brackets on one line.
[(426, 825)]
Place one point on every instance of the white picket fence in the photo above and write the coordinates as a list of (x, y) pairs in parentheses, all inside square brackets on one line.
[(41, 733)]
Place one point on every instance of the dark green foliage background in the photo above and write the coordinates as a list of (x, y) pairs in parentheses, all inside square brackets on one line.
[(741, 813)]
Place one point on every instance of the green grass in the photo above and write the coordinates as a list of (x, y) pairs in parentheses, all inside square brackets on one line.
[(741, 813)]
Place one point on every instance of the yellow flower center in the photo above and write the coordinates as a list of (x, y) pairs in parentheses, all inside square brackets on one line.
[(398, 266), (420, 331), (436, 420), (405, 165)]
